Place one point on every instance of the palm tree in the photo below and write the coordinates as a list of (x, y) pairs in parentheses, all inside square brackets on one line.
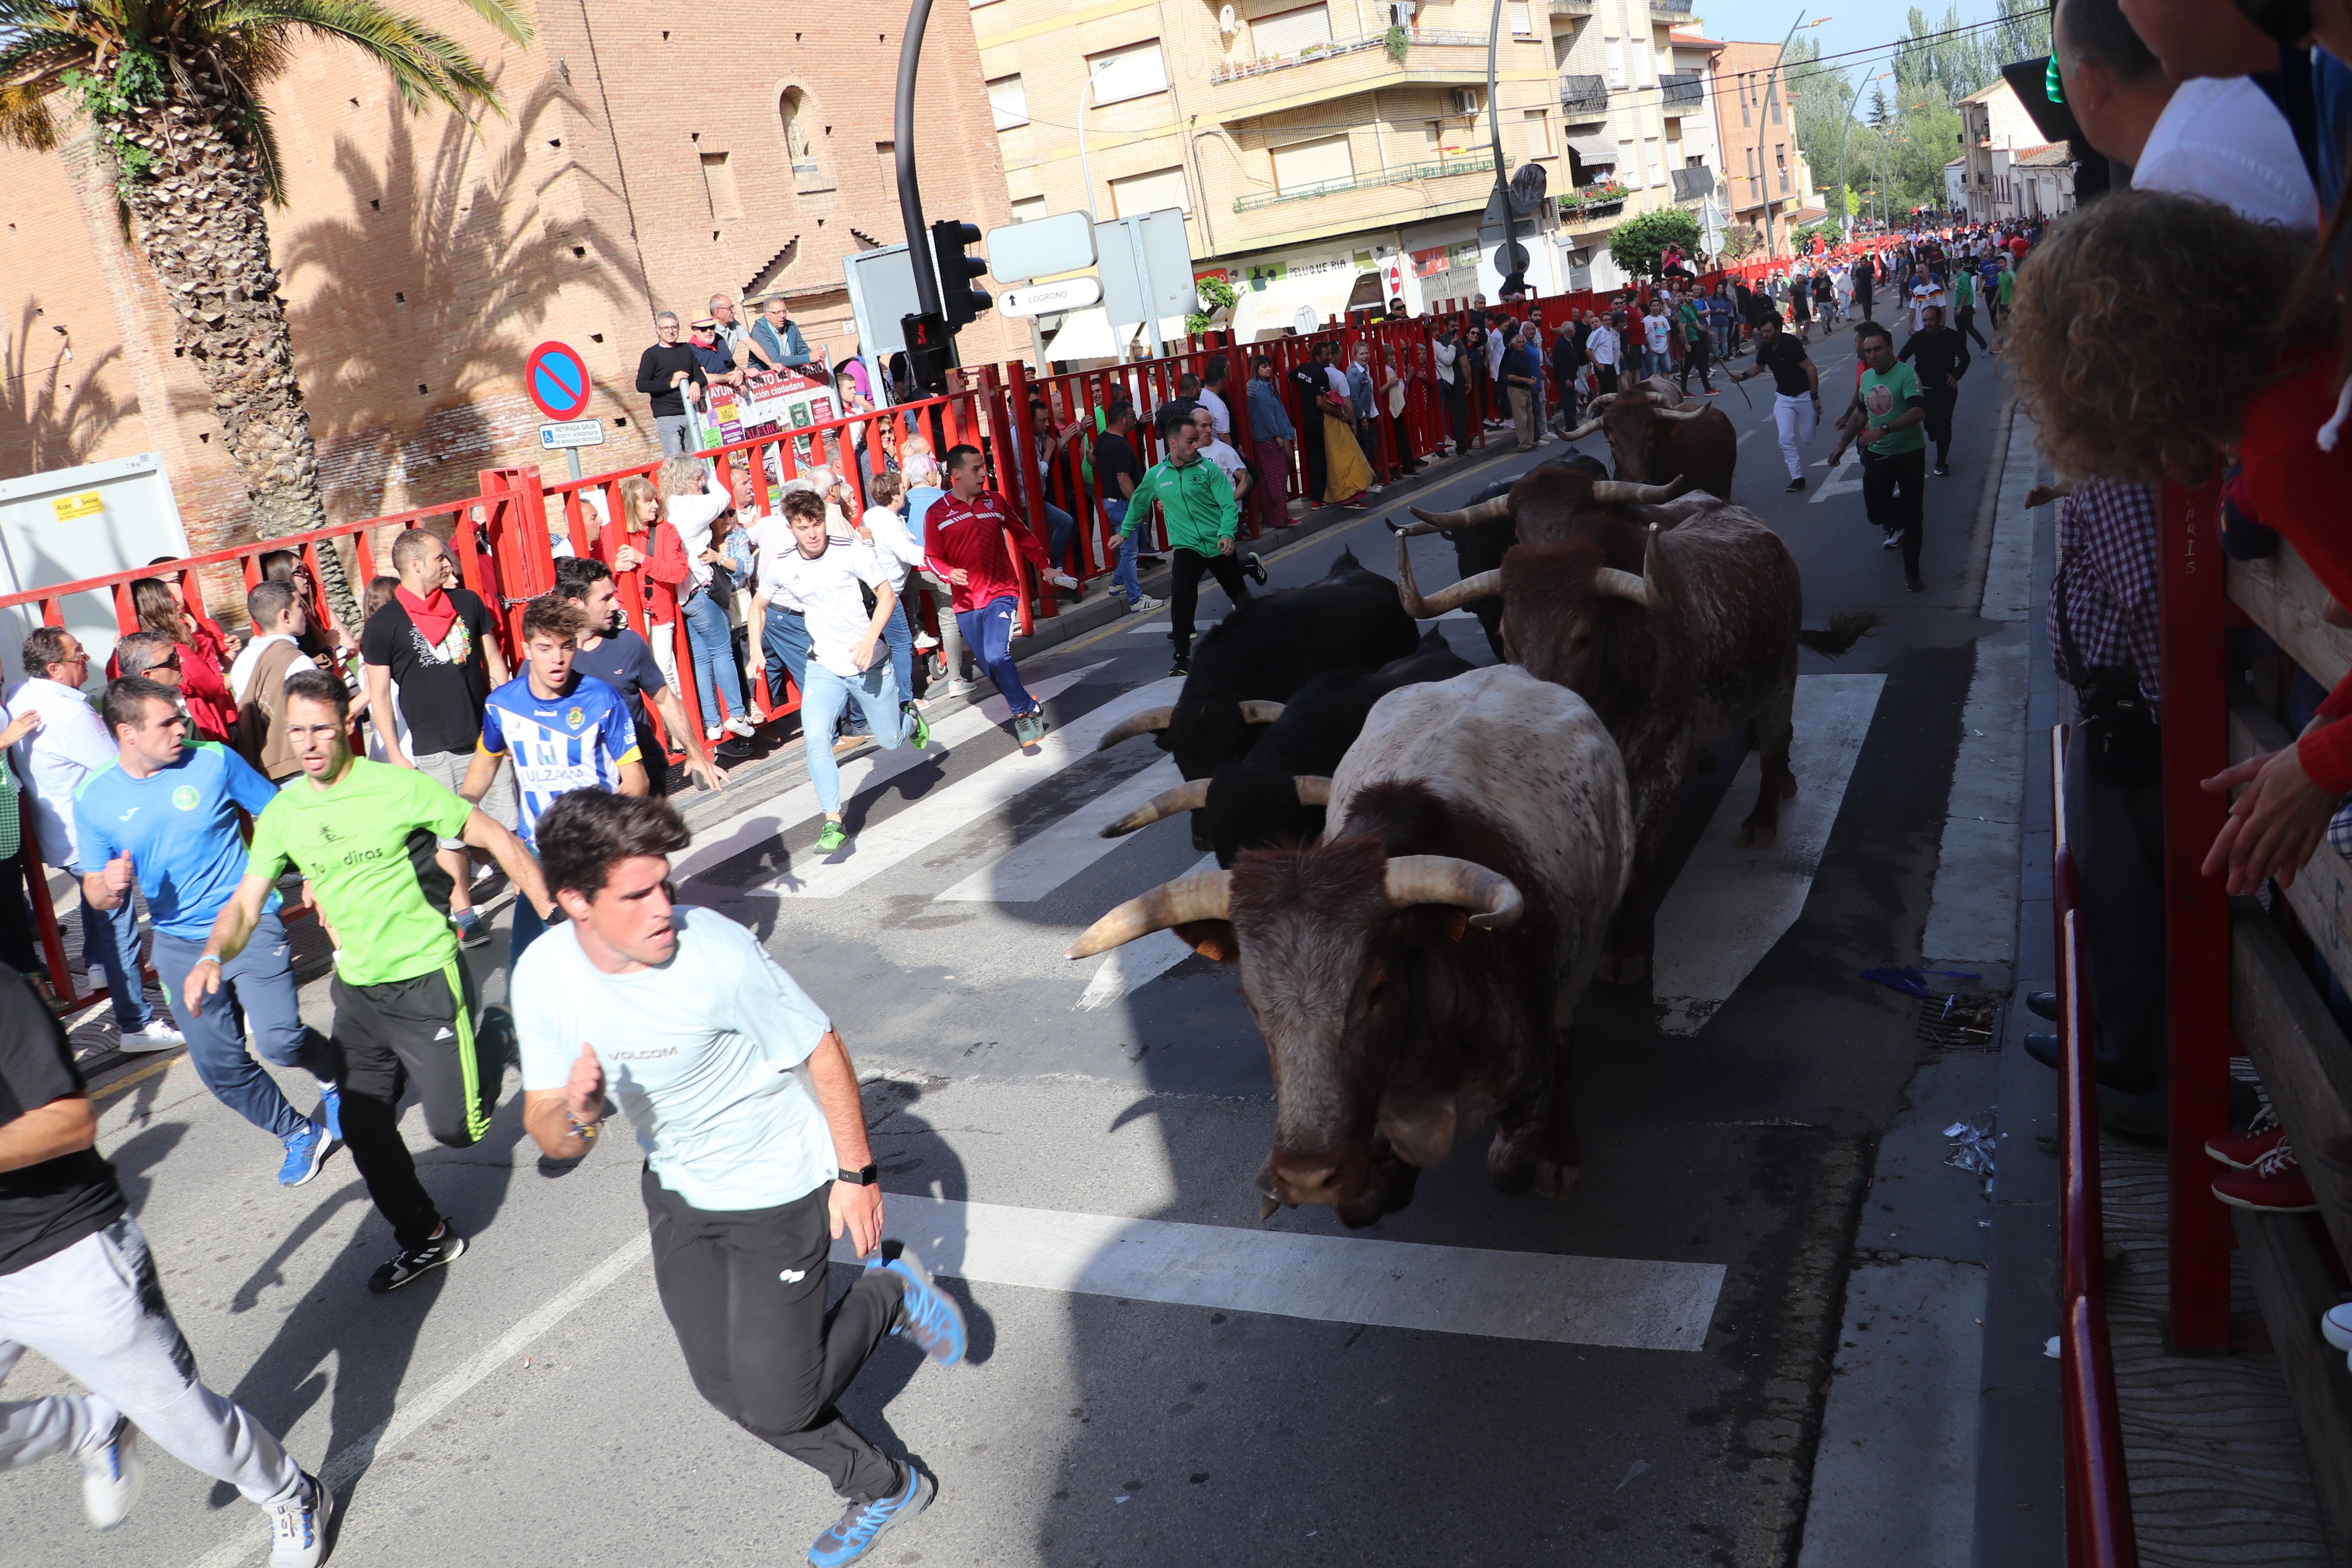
[(171, 91)]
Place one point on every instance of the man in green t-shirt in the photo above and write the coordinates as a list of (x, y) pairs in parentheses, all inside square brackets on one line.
[(1893, 447), (364, 835)]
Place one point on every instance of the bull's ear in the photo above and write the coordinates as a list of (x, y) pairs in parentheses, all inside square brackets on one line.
[(1213, 940), (1457, 923)]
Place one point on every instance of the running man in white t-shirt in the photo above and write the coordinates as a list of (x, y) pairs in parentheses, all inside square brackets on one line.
[(746, 1107), (846, 661)]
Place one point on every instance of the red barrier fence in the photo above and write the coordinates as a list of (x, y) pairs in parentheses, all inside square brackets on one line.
[(2099, 1494)]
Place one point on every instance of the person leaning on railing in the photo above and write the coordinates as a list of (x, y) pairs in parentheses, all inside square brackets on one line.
[(2115, 401)]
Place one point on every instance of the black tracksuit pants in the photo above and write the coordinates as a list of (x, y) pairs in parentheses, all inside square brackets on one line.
[(1185, 595), (1894, 495), (744, 1290), (417, 1031)]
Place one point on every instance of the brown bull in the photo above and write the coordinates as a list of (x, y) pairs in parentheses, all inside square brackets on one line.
[(1655, 442), (1676, 638)]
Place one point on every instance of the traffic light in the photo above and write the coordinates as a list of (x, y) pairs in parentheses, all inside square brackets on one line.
[(961, 302), (930, 350)]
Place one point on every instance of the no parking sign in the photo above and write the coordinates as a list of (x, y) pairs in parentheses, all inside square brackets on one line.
[(557, 379)]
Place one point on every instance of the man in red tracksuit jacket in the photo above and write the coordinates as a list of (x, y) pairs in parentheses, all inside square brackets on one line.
[(966, 530)]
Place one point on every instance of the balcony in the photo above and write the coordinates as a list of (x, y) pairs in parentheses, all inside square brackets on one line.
[(1344, 68), (1584, 96), (1673, 10), (1682, 92), (1693, 185), (1571, 9), (1403, 174), (1596, 200)]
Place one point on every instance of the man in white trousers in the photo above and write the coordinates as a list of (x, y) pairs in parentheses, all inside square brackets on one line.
[(1797, 408)]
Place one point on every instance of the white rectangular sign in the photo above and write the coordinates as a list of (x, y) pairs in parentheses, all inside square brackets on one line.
[(1040, 248), (571, 433), (1069, 294)]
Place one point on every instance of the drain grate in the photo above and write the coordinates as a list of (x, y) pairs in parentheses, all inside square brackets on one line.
[(1960, 1023)]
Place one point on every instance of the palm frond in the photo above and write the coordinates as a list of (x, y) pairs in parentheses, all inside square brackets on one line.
[(25, 121), (427, 67), (508, 19), (32, 65)]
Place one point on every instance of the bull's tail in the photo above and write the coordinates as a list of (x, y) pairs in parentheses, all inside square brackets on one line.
[(1842, 632)]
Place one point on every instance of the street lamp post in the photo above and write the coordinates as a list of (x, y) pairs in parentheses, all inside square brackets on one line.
[(1502, 188), (1763, 122), (1845, 224)]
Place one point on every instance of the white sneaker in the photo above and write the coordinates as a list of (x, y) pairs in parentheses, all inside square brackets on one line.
[(1145, 605), (298, 1530), (961, 687), (925, 642), (158, 1036), (111, 1476), (1063, 580), (738, 725), (712, 732)]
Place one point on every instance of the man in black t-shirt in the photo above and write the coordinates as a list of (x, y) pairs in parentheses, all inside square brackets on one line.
[(78, 1286), (1941, 355), (1797, 382), (1307, 386), (669, 373), (623, 660), (437, 644), (1117, 469)]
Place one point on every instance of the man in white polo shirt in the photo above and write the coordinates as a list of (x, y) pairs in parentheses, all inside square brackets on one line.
[(747, 1109)]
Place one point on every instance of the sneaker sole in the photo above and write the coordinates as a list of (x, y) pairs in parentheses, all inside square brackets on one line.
[(318, 1159), (2219, 1158), (133, 1046), (2251, 1207), (923, 1276), (134, 1480), (444, 1261), (926, 1489)]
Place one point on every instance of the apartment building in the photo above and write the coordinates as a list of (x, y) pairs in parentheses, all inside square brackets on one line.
[(1637, 118), (1766, 173), (1997, 135), (1324, 155)]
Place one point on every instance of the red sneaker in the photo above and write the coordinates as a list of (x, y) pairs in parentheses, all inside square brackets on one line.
[(2272, 1184), (2241, 1150)]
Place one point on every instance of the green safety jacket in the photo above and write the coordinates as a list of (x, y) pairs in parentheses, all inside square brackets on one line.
[(1197, 501)]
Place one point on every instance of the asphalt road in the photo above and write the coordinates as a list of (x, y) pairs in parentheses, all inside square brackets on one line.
[(1632, 1376)]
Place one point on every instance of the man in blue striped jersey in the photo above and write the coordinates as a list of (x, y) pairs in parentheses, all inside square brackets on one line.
[(566, 730)]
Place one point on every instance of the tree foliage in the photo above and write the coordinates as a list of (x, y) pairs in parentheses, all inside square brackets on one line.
[(1639, 243)]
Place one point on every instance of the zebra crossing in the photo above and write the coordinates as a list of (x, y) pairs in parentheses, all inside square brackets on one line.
[(1728, 909)]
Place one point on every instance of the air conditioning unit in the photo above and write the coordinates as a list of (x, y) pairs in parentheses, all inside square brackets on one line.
[(1466, 101)]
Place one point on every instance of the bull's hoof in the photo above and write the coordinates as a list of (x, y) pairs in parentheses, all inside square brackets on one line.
[(1512, 1180), (1789, 787), (1624, 969), (1754, 835), (1555, 1180)]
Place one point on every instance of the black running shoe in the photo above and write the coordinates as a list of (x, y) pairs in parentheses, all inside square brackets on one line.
[(412, 1261), (1796, 484), (1253, 569), (1183, 666)]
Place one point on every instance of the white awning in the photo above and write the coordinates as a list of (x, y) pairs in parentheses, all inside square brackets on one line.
[(1088, 334), (1270, 311), (1594, 149)]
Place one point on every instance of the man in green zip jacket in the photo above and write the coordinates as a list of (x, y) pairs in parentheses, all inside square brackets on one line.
[(1196, 500)]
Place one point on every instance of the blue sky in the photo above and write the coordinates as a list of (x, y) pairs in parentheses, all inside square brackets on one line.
[(1852, 24)]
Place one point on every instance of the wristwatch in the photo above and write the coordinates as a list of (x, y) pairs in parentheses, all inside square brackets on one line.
[(870, 1176)]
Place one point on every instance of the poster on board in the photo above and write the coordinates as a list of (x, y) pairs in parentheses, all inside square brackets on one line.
[(768, 402)]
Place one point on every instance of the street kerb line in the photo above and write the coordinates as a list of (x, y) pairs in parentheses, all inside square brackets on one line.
[(1552, 1297)]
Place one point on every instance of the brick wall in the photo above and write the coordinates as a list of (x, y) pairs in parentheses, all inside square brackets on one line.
[(423, 258)]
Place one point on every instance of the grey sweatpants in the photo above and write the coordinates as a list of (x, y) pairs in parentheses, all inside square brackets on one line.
[(97, 1311)]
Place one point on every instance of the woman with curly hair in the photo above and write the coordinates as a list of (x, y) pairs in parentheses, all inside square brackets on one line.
[(2116, 400)]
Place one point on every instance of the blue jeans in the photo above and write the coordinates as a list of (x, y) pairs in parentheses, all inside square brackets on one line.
[(901, 640), (1060, 528), (257, 990), (822, 701), (1123, 574), (714, 658), (528, 928), (109, 943), (988, 632)]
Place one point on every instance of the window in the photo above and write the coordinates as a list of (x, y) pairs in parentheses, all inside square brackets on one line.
[(1009, 100), (1325, 162), (1624, 168), (1028, 209), (1650, 175), (1150, 192), (718, 184), (1522, 22), (1136, 71), (1615, 52), (800, 142), (1287, 32), (1538, 132), (1773, 101), (1744, 110)]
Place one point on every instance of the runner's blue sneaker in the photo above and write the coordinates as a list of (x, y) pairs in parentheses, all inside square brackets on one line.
[(306, 1151), (331, 1112), (853, 1535), (926, 1314)]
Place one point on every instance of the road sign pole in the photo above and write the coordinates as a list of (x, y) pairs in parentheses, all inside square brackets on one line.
[(1143, 274), (572, 461)]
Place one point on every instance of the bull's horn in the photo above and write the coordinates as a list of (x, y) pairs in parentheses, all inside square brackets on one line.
[(1607, 492), (1443, 879), (1255, 711), (1446, 600), (1313, 789), (1665, 413), (1150, 721), (1604, 401), (1202, 896), (1582, 431), (1486, 510), (1625, 585), (1190, 795)]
